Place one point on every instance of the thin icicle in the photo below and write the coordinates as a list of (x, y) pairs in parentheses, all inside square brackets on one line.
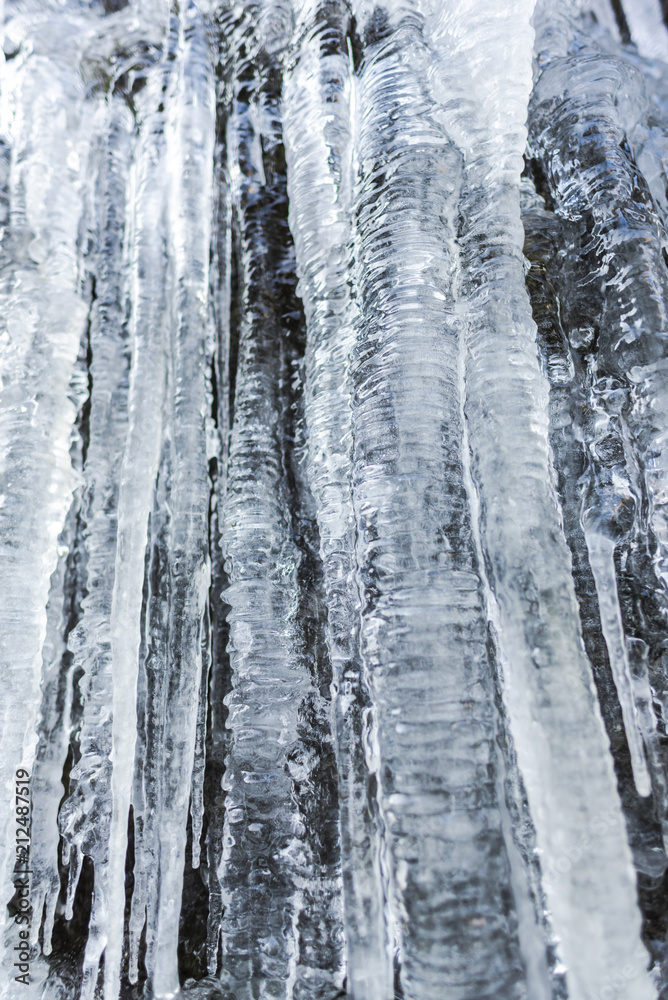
[(137, 481), (152, 711), (602, 560), (220, 302), (191, 157), (199, 762)]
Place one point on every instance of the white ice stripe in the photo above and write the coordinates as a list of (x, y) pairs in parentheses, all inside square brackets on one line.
[(647, 28), (137, 482), (190, 158), (43, 320)]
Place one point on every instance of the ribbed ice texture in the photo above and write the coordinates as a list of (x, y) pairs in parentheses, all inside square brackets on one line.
[(84, 817), (548, 686), (423, 624), (43, 320), (333, 532), (280, 933), (317, 109)]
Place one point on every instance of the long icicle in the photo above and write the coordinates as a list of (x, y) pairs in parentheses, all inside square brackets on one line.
[(84, 817), (137, 482), (318, 136), (484, 83), (271, 870), (44, 315), (192, 160), (423, 632)]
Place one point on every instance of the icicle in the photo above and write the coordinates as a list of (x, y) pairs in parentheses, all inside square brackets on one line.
[(54, 729), (220, 300), (84, 818), (192, 157), (615, 299), (602, 559), (55, 717), (270, 870), (154, 680), (199, 765), (137, 481), (423, 624), (484, 83), (43, 320), (317, 103)]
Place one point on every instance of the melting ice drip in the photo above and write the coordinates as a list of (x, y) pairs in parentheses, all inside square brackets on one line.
[(334, 502)]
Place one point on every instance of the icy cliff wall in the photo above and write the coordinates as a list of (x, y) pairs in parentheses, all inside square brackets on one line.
[(334, 499)]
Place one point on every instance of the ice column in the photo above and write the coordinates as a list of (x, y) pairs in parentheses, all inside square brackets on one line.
[(43, 320), (484, 83), (190, 160), (280, 932), (149, 326), (423, 629), (317, 111)]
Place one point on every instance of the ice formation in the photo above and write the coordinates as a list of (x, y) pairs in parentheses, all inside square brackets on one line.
[(334, 499)]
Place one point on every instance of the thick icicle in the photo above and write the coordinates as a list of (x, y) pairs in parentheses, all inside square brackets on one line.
[(43, 320), (563, 753), (423, 634), (317, 112)]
